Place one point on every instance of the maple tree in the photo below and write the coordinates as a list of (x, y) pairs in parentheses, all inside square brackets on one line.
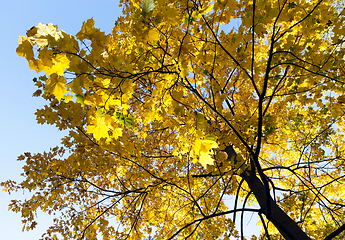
[(185, 104)]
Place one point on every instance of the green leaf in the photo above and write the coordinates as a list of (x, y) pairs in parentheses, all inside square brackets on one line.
[(148, 6), (211, 137), (80, 99), (129, 121), (158, 20), (200, 115), (188, 19), (43, 78), (91, 77), (292, 5), (121, 118)]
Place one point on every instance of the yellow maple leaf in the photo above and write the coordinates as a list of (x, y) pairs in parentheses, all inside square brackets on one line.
[(87, 29), (93, 100), (48, 29), (153, 35), (341, 99), (61, 62), (25, 49), (205, 158), (99, 128), (203, 148), (135, 4), (117, 132), (56, 85), (204, 10)]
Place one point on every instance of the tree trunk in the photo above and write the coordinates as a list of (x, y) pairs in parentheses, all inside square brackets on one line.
[(286, 226)]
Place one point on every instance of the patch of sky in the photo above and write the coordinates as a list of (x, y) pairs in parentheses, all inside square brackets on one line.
[(234, 24)]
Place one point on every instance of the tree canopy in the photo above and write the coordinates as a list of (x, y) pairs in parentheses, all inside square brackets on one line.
[(186, 104)]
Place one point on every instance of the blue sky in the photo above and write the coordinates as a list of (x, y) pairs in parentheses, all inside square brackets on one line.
[(19, 131)]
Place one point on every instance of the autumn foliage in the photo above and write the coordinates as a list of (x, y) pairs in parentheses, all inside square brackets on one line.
[(183, 105)]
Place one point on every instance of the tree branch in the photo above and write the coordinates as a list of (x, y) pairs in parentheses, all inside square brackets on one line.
[(335, 233)]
